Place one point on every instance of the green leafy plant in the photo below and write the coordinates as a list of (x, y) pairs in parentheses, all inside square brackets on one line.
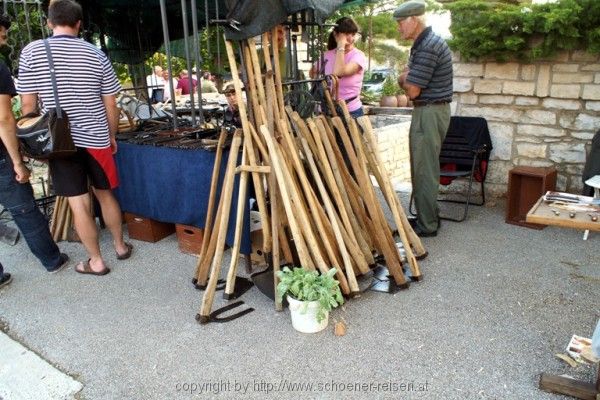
[(523, 32), (305, 285), (368, 97), (390, 86)]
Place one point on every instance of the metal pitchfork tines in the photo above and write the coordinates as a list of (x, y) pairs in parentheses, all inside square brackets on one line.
[(233, 24)]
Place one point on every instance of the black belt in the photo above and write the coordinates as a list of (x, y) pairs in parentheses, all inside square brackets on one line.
[(421, 103)]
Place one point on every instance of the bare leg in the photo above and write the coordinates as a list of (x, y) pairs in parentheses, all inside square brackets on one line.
[(86, 229), (111, 212)]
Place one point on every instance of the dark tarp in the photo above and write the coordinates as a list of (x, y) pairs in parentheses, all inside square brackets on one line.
[(134, 28), (258, 16)]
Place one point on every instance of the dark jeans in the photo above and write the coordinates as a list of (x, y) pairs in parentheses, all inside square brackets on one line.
[(357, 113), (19, 201)]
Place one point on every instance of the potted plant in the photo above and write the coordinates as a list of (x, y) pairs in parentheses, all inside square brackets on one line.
[(402, 97), (310, 296), (388, 92)]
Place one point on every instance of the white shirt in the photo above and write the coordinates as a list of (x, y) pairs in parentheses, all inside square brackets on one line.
[(154, 82)]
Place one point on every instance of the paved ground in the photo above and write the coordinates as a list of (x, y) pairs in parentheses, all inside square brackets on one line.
[(497, 302)]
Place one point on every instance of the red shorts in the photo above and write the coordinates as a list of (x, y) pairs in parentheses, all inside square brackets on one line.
[(70, 174)]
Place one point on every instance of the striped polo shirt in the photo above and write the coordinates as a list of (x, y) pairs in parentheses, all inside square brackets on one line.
[(430, 67), (83, 76)]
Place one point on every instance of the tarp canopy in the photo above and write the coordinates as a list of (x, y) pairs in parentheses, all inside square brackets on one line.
[(134, 28)]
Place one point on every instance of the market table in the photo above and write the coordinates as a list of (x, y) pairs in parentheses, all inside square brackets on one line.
[(543, 213), (172, 185)]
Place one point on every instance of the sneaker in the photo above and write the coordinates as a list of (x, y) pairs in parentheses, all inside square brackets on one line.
[(6, 279), (64, 260)]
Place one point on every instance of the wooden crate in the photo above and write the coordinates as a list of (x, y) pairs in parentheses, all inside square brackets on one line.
[(189, 238), (146, 229), (525, 186)]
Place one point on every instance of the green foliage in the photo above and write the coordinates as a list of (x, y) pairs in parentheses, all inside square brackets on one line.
[(21, 33), (386, 54), (384, 26), (305, 285), (16, 106), (368, 97), (122, 72), (390, 86), (523, 32)]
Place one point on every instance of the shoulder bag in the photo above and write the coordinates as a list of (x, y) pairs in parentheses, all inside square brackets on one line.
[(46, 136)]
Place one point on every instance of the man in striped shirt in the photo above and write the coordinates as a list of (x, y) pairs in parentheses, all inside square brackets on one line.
[(87, 86), (428, 82)]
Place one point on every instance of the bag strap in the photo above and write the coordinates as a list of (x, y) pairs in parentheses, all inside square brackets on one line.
[(53, 77)]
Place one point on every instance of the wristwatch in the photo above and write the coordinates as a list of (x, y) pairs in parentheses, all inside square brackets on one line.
[(341, 49)]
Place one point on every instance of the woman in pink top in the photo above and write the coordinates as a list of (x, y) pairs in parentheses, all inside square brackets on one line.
[(346, 62)]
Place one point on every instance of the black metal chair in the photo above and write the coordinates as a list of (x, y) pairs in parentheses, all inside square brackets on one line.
[(465, 153)]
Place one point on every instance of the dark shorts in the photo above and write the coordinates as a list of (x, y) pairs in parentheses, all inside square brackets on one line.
[(70, 175)]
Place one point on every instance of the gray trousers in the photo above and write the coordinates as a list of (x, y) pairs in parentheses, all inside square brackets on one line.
[(427, 132)]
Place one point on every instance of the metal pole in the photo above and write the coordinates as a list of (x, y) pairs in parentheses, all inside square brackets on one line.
[(206, 26), (288, 61), (295, 57), (197, 56), (188, 61), (26, 12), (18, 33), (43, 28), (165, 26), (218, 28)]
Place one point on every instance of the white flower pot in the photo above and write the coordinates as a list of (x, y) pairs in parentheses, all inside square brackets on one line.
[(304, 316)]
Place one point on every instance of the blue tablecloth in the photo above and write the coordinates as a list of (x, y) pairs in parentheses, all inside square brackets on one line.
[(172, 185)]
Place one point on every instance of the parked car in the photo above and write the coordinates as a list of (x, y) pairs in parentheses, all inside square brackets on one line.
[(374, 83)]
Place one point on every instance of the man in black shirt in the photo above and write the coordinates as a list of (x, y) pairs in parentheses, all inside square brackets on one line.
[(16, 193)]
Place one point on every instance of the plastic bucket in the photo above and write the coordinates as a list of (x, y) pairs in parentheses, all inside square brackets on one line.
[(304, 316)]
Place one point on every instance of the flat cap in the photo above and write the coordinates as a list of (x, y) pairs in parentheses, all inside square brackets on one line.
[(410, 8)]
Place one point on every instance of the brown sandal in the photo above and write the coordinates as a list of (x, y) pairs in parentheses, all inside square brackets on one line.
[(88, 270), (127, 254)]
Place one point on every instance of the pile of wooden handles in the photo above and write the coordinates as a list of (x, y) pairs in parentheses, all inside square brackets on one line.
[(316, 174), (62, 220)]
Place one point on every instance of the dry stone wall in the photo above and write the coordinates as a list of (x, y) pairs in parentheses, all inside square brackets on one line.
[(543, 114), (391, 132)]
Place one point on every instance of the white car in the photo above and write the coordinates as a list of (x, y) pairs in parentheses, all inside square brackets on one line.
[(375, 82)]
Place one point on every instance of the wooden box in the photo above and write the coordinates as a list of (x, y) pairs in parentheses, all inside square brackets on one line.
[(189, 238), (146, 229), (525, 186)]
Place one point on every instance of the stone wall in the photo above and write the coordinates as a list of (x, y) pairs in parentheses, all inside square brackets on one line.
[(391, 132), (542, 114)]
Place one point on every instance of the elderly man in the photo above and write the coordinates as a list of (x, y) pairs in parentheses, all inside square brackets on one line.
[(156, 85), (94, 120), (428, 82), (15, 191)]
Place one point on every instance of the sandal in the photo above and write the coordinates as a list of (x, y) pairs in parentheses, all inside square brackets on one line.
[(88, 270), (127, 254)]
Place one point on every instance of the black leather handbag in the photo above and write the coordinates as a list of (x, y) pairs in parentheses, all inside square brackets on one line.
[(46, 136)]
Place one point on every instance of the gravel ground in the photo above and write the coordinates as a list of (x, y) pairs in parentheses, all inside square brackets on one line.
[(496, 303)]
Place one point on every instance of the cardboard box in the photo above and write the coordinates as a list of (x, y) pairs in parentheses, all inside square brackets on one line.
[(146, 229), (189, 238)]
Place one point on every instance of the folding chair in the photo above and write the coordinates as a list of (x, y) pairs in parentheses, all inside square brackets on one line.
[(465, 153)]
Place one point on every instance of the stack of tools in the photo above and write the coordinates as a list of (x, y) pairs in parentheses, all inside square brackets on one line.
[(183, 138), (312, 182)]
